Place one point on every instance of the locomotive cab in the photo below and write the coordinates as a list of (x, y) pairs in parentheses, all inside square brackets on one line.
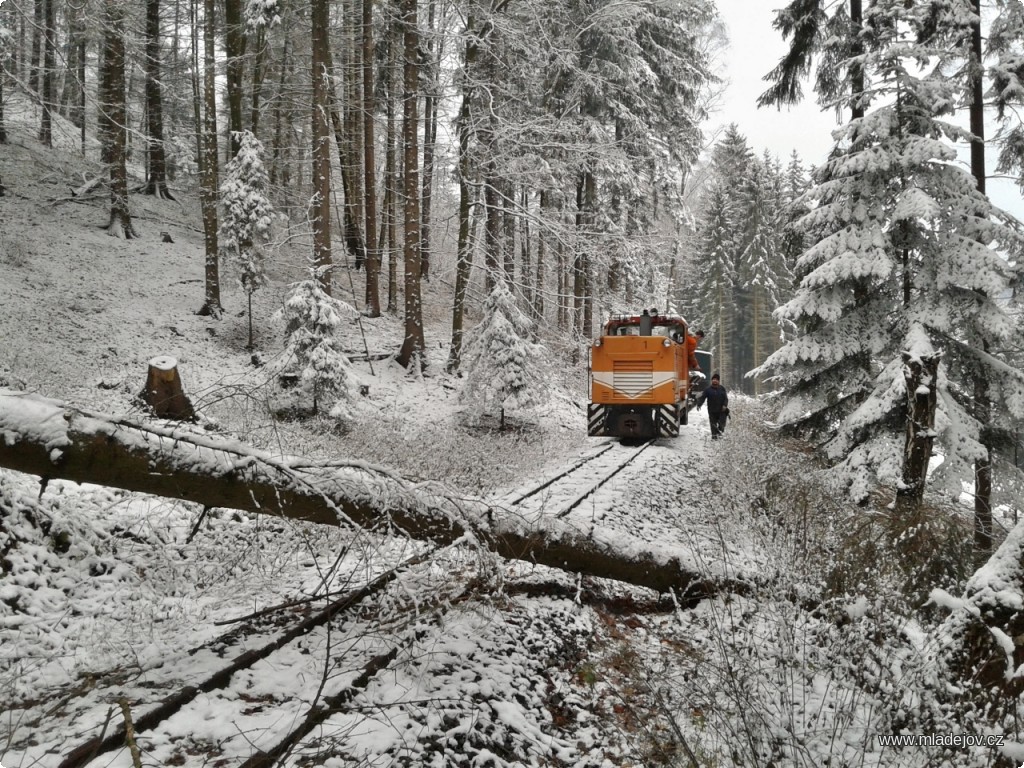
[(639, 377)]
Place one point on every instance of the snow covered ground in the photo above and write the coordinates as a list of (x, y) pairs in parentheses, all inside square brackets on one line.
[(117, 605), (109, 595)]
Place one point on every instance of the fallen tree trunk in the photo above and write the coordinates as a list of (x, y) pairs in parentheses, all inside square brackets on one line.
[(50, 439)]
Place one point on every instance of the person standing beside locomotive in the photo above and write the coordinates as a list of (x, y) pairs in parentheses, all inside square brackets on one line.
[(718, 405), (692, 340)]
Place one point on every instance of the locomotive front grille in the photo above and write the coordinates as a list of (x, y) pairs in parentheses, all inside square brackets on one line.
[(632, 378)]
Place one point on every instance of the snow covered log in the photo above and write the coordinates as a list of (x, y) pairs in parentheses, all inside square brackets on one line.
[(48, 438)]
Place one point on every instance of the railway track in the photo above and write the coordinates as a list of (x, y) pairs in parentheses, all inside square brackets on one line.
[(235, 680), (562, 492)]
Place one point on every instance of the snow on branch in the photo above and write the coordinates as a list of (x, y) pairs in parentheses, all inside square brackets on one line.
[(48, 438)]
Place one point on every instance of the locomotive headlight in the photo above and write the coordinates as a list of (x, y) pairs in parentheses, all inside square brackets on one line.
[(667, 342), (597, 342)]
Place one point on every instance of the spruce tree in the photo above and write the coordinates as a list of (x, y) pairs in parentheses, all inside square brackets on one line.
[(246, 217), (766, 277), (716, 246), (903, 255), (502, 368), (313, 349)]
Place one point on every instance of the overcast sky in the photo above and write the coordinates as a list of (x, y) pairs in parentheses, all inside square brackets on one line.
[(754, 49)]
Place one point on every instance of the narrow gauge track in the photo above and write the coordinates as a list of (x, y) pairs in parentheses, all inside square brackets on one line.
[(88, 751), (558, 495)]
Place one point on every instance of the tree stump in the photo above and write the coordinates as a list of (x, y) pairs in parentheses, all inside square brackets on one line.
[(163, 392)]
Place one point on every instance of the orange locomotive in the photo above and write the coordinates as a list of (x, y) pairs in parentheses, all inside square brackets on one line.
[(640, 377)]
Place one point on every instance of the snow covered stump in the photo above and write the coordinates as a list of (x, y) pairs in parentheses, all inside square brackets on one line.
[(164, 393)]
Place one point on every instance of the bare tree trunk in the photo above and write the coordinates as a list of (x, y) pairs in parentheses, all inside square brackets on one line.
[(354, 242), (156, 183), (18, 60), (526, 255), (395, 44), (197, 98), (982, 397), (856, 69), (351, 146), (259, 68), (430, 106), (5, 64), (49, 63), (370, 166), (72, 97), (113, 110), (388, 233), (579, 266), (3, 128), (81, 85), (103, 450), (492, 227), (278, 154), (39, 14), (562, 265), (464, 257), (209, 185), (234, 48), (321, 206), (590, 207), (921, 377), (414, 345), (538, 296), (508, 230)]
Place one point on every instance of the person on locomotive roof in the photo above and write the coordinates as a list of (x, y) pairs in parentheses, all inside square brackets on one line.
[(692, 340), (718, 405)]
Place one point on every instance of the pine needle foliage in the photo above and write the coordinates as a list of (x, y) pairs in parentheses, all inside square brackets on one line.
[(503, 369)]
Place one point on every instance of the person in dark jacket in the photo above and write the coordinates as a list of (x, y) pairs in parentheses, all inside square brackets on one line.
[(718, 405)]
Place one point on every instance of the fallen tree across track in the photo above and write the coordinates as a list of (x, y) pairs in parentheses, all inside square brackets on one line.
[(55, 441)]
